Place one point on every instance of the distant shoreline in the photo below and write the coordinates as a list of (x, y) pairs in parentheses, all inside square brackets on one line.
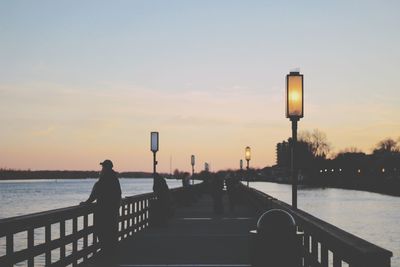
[(8, 175)]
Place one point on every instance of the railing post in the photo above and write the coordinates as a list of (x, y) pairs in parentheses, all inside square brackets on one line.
[(62, 236), (136, 219), (131, 212), (10, 246), (337, 262), (126, 220), (85, 237), (306, 248), (75, 242), (31, 241), (47, 234), (324, 255), (314, 250), (140, 214)]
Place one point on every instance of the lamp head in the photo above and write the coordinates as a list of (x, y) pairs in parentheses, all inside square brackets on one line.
[(154, 141), (247, 153), (294, 96)]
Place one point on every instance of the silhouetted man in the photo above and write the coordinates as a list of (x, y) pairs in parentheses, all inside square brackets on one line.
[(232, 185), (162, 207), (107, 193), (217, 191)]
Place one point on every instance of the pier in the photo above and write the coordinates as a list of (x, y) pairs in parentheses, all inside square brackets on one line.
[(194, 236)]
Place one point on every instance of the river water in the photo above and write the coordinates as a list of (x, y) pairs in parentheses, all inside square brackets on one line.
[(371, 216)]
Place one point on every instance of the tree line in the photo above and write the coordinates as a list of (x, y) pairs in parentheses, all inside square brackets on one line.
[(350, 168)]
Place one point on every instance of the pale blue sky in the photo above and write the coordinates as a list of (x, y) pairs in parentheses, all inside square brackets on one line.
[(98, 76)]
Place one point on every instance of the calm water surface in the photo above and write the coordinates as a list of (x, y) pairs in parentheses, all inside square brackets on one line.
[(372, 216), (29, 196)]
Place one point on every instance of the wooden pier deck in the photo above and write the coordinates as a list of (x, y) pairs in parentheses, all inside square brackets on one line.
[(195, 236)]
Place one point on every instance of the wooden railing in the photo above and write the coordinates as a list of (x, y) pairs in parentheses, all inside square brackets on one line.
[(69, 237), (324, 244)]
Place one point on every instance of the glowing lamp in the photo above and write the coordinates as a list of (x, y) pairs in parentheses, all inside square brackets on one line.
[(247, 153), (192, 160), (154, 141), (294, 96)]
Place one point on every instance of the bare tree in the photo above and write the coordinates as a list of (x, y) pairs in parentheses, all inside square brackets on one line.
[(318, 141), (387, 145)]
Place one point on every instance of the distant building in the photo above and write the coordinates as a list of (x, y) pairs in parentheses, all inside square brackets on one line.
[(304, 153), (283, 152)]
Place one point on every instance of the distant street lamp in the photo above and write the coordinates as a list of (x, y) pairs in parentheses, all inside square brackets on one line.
[(241, 169), (206, 167), (247, 154), (154, 148), (192, 162), (294, 111)]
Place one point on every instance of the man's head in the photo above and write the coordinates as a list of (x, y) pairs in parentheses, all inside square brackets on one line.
[(107, 164)]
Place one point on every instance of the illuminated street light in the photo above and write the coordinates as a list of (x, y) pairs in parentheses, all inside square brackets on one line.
[(154, 148), (192, 162), (247, 154), (154, 141), (294, 111)]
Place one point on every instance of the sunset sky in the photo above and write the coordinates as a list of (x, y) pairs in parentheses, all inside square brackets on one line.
[(81, 81)]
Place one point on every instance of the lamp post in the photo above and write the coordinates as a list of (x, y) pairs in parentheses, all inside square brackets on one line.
[(192, 162), (154, 148), (247, 154), (294, 111), (241, 169)]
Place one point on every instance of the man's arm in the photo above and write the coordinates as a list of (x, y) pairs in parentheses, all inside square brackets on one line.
[(92, 196)]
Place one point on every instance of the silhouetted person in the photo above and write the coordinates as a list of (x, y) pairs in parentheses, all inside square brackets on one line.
[(232, 187), (186, 181), (217, 187), (107, 193), (188, 194), (162, 207)]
